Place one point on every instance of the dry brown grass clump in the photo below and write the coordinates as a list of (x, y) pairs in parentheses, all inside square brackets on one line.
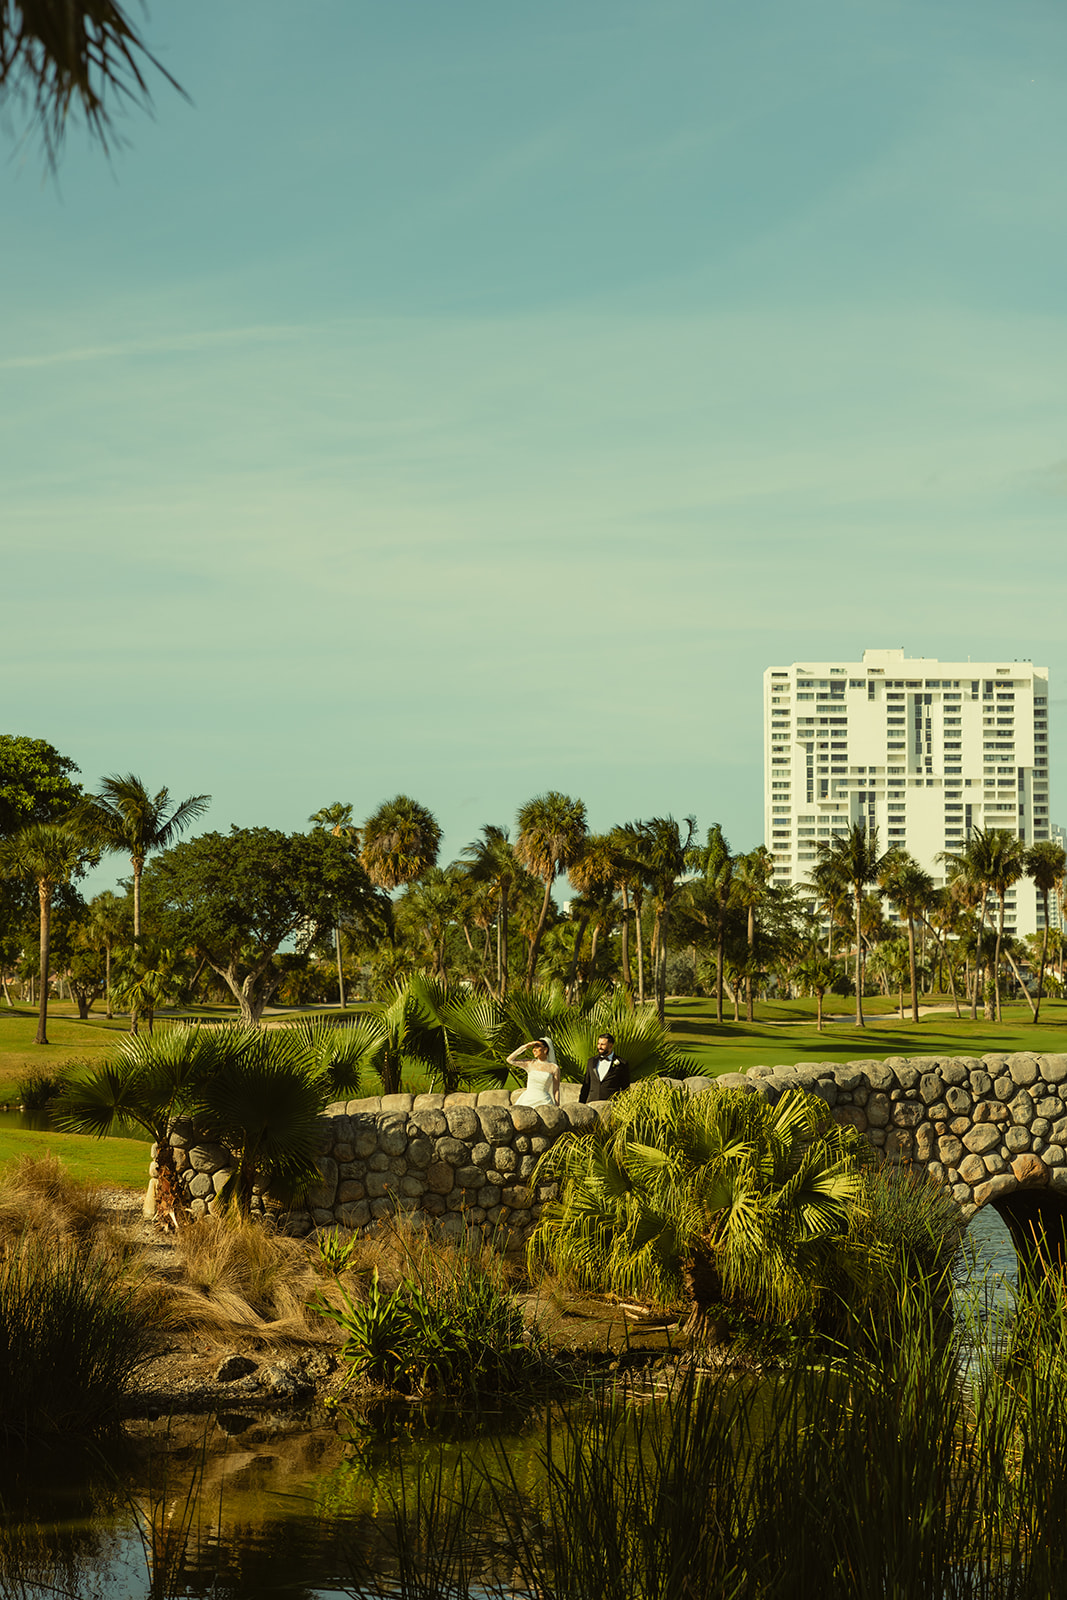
[(240, 1277), (38, 1196)]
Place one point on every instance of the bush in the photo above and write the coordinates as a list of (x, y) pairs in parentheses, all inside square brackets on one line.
[(458, 1334), (71, 1336), (39, 1088)]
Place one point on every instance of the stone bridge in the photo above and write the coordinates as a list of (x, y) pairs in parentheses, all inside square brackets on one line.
[(992, 1129)]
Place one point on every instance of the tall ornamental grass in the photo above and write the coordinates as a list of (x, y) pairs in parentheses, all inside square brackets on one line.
[(884, 1476), (71, 1337)]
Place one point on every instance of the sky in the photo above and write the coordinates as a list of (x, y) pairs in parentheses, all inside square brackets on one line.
[(471, 400)]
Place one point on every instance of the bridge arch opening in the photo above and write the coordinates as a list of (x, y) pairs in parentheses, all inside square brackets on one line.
[(1036, 1220)]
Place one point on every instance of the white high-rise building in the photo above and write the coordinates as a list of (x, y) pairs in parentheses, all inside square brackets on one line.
[(923, 750)]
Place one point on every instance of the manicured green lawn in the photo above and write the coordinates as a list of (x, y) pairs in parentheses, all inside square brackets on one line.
[(736, 1047), (117, 1163)]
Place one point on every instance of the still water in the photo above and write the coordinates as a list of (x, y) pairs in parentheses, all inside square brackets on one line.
[(294, 1506)]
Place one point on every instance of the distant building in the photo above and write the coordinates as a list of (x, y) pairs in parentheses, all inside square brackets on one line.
[(923, 750)]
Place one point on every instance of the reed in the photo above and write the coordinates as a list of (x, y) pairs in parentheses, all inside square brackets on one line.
[(882, 1471)]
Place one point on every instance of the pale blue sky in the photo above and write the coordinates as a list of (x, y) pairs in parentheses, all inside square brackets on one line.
[(472, 399)]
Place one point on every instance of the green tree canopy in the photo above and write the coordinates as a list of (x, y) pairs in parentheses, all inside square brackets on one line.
[(239, 897)]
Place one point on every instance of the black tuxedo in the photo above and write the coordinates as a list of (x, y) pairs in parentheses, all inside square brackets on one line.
[(596, 1088)]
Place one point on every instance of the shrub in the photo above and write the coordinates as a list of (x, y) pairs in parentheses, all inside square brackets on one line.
[(39, 1088), (71, 1336)]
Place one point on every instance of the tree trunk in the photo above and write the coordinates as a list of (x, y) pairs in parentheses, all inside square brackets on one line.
[(583, 923), (44, 895), (138, 868), (1044, 952), (996, 961), (911, 965), (640, 953), (818, 1009), (536, 945), (627, 977), (751, 958), (720, 960), (504, 936), (859, 965), (340, 968), (107, 979), (1022, 986)]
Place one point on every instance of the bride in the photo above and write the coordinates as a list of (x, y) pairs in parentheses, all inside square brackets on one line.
[(542, 1073)]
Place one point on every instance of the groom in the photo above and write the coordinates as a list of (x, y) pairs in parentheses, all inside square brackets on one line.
[(605, 1074)]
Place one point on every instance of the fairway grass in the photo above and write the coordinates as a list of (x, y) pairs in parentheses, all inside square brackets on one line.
[(116, 1163), (772, 1041)]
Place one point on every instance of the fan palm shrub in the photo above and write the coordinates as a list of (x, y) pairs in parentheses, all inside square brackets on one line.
[(718, 1199)]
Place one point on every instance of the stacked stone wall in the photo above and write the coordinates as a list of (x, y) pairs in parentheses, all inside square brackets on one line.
[(982, 1126)]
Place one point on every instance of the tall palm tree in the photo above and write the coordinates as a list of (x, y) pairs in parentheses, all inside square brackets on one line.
[(992, 860), (909, 888), (338, 818), (752, 880), (400, 842), (660, 854), (46, 854), (125, 817), (716, 867), (593, 875), (492, 861), (108, 927), (853, 859), (551, 835), (1046, 863)]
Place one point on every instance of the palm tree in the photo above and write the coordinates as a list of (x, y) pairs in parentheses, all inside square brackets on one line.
[(338, 818), (817, 974), (593, 875), (909, 888), (1046, 863), (659, 853), (108, 926), (125, 817), (714, 896), (853, 859), (492, 861), (751, 881), (47, 854), (81, 52), (400, 842), (551, 835), (720, 1197), (991, 861), (942, 917)]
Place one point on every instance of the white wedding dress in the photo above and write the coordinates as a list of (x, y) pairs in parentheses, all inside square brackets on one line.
[(538, 1090)]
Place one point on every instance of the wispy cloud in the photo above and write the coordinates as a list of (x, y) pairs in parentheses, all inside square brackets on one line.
[(170, 344)]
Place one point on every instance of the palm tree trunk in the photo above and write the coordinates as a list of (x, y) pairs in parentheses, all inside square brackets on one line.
[(44, 895), (640, 953), (138, 867), (1044, 952), (340, 968), (751, 956), (536, 945), (859, 966), (720, 959), (996, 962), (914, 977), (503, 947), (1022, 986), (107, 978), (583, 923), (627, 976), (818, 1009)]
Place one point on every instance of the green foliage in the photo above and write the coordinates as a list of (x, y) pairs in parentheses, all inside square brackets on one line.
[(35, 782), (463, 1337), (337, 1250), (39, 1088), (238, 897), (720, 1197)]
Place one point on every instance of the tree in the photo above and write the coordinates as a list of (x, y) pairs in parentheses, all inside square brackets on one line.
[(55, 53), (1045, 863), (239, 897), (659, 853), (991, 861), (817, 974), (46, 854), (35, 781), (854, 860), (752, 882), (110, 924), (126, 818), (593, 873), (338, 818), (720, 1197), (400, 842), (551, 835), (492, 861), (712, 903), (909, 888)]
